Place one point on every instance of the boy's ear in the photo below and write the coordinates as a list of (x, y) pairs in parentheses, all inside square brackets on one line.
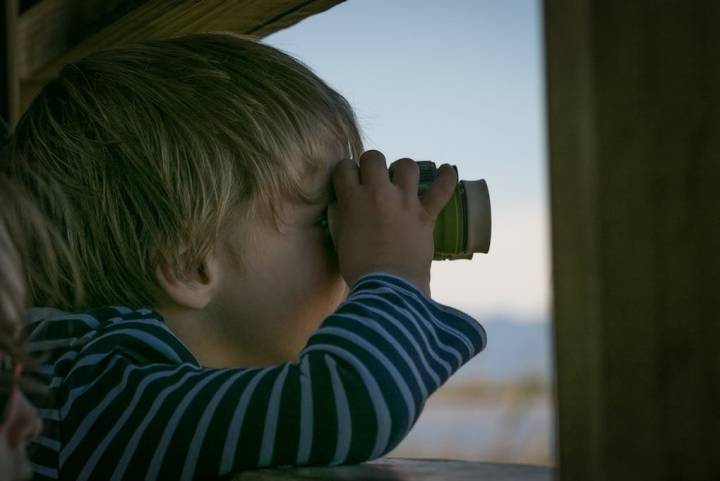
[(193, 290)]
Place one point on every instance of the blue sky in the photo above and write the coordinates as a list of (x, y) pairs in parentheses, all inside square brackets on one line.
[(458, 82)]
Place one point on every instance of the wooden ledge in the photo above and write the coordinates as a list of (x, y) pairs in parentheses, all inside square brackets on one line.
[(401, 469)]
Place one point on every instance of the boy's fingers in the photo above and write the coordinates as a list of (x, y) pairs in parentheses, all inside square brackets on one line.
[(373, 170), (332, 221), (345, 177), (405, 173), (440, 192)]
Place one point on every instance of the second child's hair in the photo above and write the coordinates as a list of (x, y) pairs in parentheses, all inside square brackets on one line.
[(12, 275), (27, 240), (156, 147)]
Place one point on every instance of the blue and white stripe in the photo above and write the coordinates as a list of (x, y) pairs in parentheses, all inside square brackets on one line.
[(372, 364)]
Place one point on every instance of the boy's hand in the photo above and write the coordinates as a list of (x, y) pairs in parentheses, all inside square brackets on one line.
[(379, 224)]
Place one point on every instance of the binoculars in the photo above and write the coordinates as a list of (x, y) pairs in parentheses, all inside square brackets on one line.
[(463, 226)]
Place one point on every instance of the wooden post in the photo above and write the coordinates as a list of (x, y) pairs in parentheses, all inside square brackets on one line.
[(9, 85), (634, 124)]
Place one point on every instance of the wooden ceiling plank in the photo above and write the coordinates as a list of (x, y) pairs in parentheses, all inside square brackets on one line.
[(51, 27), (10, 79), (149, 20)]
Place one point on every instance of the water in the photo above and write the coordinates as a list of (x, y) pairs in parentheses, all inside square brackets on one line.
[(495, 408), (514, 430)]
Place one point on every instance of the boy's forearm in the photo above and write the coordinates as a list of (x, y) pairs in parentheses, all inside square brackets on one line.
[(364, 376), (410, 345)]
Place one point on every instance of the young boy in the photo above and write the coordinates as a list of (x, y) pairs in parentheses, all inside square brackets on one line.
[(224, 327)]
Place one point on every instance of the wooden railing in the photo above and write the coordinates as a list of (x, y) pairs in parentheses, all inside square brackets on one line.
[(401, 469)]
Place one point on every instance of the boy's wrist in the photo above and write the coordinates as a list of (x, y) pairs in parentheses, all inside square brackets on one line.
[(421, 285)]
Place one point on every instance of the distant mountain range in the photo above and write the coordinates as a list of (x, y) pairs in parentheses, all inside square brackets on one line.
[(514, 350)]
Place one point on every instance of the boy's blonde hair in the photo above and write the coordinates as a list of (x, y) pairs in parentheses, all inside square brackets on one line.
[(157, 146)]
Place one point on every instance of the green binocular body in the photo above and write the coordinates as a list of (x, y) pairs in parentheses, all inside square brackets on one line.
[(464, 225)]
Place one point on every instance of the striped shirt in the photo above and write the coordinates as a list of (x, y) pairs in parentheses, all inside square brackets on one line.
[(131, 402)]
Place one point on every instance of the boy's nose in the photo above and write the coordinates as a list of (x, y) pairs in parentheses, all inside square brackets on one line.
[(25, 425)]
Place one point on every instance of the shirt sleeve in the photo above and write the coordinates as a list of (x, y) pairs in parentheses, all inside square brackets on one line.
[(356, 391)]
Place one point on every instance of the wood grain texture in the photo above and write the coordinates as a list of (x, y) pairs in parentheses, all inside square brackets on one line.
[(52, 33), (52, 27), (399, 469), (10, 82), (634, 125)]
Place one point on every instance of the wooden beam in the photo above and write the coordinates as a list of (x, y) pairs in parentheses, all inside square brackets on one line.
[(634, 116), (10, 83), (48, 31), (50, 28)]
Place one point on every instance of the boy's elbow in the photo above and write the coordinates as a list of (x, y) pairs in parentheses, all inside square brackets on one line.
[(374, 411)]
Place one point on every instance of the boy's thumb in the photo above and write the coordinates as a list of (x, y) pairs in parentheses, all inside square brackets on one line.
[(440, 192)]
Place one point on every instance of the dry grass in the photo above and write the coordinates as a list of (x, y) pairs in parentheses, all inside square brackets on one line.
[(518, 436), (520, 390)]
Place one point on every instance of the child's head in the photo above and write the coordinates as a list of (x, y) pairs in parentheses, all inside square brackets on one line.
[(12, 277), (158, 146), (20, 227), (168, 150), (27, 239)]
